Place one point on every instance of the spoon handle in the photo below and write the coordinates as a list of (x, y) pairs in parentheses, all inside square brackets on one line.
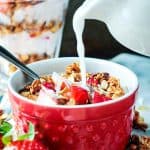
[(11, 58)]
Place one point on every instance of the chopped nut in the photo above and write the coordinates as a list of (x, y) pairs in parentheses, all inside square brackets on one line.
[(32, 97), (138, 122), (73, 68), (25, 93), (56, 27), (62, 101), (139, 143), (24, 58), (35, 86), (12, 68), (27, 59), (51, 24), (42, 80), (145, 142), (33, 28)]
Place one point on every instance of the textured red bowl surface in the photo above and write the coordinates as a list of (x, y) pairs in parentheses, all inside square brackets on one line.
[(103, 126)]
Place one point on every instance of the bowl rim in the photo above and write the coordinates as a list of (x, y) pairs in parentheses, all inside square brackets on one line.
[(11, 89)]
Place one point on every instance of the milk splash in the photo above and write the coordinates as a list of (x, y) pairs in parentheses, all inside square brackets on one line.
[(78, 25)]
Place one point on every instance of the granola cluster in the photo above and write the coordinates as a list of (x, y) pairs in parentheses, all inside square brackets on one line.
[(138, 122), (31, 91), (13, 5), (101, 86), (27, 59), (139, 143), (102, 82), (33, 28)]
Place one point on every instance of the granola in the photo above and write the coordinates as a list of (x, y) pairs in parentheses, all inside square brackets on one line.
[(27, 59), (68, 91), (139, 143), (34, 29), (138, 122)]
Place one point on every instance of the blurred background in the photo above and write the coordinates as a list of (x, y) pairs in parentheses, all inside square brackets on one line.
[(99, 43)]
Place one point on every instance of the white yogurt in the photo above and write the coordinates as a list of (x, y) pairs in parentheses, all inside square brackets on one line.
[(44, 11)]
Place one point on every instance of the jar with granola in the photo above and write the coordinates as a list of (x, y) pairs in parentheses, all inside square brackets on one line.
[(31, 29)]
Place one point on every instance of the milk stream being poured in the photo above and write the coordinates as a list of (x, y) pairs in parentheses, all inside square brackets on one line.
[(78, 25)]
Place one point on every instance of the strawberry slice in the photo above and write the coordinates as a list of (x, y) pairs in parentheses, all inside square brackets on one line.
[(26, 141), (27, 145), (49, 85), (79, 95), (92, 81), (1, 144), (100, 98)]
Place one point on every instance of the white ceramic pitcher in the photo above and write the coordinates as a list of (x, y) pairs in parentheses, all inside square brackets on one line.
[(127, 20)]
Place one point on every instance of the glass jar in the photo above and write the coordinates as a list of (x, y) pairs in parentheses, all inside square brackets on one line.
[(31, 29)]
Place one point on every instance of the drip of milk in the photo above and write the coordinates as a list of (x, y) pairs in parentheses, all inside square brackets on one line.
[(78, 25)]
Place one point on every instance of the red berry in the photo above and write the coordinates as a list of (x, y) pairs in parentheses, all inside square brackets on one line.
[(79, 94), (92, 81), (49, 85), (28, 145), (1, 144), (32, 35), (100, 98)]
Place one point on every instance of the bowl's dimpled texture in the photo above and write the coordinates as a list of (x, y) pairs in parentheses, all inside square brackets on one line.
[(102, 134)]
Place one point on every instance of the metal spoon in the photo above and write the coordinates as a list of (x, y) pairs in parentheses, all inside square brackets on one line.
[(8, 56)]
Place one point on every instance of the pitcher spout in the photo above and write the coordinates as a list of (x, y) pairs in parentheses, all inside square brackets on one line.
[(102, 10)]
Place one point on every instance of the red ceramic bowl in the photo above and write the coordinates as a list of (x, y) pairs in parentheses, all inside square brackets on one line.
[(101, 126)]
